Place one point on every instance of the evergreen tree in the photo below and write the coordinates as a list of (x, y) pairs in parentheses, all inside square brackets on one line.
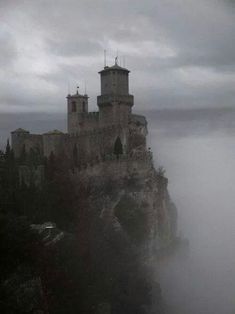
[(23, 155), (9, 179), (8, 150)]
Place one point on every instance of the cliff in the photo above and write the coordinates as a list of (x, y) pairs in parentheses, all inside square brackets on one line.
[(108, 220)]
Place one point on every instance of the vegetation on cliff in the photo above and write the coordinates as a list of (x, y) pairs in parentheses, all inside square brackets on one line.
[(89, 259)]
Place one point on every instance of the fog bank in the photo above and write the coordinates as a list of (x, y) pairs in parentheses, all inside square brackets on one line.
[(200, 169), (197, 149)]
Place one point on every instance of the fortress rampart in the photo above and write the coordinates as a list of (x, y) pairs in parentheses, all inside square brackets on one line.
[(137, 165), (92, 136)]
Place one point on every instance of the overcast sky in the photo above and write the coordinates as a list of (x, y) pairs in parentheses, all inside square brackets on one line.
[(181, 53)]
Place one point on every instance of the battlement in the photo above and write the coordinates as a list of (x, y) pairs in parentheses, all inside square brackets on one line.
[(97, 130), (90, 115), (24, 140), (138, 119), (103, 100), (93, 115)]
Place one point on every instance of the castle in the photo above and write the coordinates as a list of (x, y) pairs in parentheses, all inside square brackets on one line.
[(93, 136), (106, 151)]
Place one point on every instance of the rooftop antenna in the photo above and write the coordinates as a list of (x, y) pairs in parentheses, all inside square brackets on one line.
[(116, 58), (85, 87), (68, 87), (105, 58)]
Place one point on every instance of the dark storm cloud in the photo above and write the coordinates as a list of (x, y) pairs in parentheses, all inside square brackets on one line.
[(181, 53)]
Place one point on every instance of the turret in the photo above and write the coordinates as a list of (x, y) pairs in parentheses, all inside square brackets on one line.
[(77, 107), (115, 102), (18, 138)]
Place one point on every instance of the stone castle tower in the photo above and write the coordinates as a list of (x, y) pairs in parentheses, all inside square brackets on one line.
[(94, 135), (105, 151)]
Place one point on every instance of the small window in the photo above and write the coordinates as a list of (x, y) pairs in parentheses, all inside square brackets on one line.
[(83, 106), (74, 109)]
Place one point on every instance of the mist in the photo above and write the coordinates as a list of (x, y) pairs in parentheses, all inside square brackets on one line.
[(197, 149), (199, 161), (182, 60)]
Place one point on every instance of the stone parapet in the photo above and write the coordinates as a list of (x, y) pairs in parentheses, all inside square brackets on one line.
[(108, 99), (113, 167)]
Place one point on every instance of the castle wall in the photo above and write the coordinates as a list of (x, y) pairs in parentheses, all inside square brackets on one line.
[(53, 143), (73, 122), (93, 143), (27, 141), (17, 142), (34, 141), (89, 121), (114, 113), (79, 122), (126, 166), (96, 144)]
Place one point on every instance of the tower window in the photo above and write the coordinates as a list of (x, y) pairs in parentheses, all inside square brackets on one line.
[(118, 148), (74, 109), (83, 106)]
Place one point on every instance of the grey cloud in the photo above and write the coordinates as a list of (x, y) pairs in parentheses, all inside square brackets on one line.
[(71, 36), (74, 48), (8, 50)]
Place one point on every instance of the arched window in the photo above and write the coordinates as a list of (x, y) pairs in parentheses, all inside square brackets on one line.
[(74, 109), (118, 149), (83, 106)]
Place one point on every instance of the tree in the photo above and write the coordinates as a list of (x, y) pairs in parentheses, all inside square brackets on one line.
[(23, 155), (8, 149)]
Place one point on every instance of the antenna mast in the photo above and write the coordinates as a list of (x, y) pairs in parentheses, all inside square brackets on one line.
[(105, 58), (68, 87), (85, 86)]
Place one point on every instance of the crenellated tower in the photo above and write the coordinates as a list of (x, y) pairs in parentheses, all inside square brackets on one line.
[(115, 102)]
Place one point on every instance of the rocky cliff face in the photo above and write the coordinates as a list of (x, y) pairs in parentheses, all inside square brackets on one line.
[(132, 194), (107, 222)]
